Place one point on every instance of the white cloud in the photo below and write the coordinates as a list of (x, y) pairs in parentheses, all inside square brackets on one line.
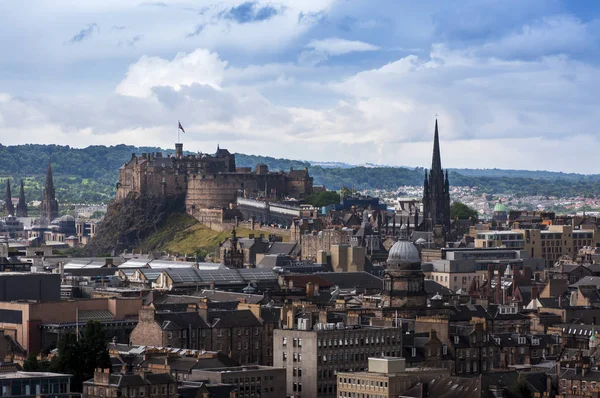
[(200, 66), (320, 50), (337, 46)]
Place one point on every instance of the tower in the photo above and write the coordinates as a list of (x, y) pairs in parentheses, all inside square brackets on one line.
[(22, 205), (403, 281), (49, 207), (9, 209), (436, 191)]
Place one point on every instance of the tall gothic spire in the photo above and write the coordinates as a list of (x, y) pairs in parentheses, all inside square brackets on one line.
[(49, 203), (50, 182), (22, 205), (9, 209), (436, 161)]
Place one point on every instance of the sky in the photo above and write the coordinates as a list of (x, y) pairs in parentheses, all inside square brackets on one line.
[(513, 84)]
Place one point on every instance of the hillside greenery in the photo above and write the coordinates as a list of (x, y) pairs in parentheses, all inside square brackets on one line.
[(88, 175)]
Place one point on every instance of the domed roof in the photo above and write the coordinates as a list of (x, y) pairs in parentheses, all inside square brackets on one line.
[(403, 251), (500, 207)]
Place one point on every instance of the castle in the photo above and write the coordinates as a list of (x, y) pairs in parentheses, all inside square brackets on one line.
[(207, 181)]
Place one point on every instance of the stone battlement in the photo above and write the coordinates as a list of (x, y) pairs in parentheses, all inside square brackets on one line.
[(208, 181)]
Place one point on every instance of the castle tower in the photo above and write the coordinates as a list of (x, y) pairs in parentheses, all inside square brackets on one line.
[(436, 191), (22, 205), (9, 209), (178, 150), (49, 207)]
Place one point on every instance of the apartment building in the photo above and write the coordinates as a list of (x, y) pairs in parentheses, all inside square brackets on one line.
[(312, 358)]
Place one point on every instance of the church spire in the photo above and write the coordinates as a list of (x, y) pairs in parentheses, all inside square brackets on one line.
[(49, 180), (22, 205), (9, 209), (436, 161), (49, 207)]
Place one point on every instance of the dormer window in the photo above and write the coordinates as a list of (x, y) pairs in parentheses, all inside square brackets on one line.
[(521, 340), (444, 349)]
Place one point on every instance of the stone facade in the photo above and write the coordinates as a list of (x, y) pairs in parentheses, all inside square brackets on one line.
[(313, 243), (207, 181), (237, 333)]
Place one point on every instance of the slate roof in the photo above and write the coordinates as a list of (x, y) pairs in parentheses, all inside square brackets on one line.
[(587, 281), (232, 319), (180, 320), (185, 364), (219, 295), (282, 248), (135, 380), (432, 287), (351, 280)]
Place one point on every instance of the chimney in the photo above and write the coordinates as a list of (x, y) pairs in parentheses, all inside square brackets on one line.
[(498, 288), (310, 290), (535, 292)]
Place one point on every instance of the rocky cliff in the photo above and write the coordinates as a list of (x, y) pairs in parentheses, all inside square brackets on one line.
[(130, 221)]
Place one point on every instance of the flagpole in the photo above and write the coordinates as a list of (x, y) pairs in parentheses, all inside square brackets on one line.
[(178, 123)]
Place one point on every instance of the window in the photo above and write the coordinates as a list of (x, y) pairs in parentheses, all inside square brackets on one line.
[(444, 349), (299, 342), (169, 335), (284, 342), (285, 356)]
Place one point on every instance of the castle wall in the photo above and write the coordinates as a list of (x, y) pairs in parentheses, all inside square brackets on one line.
[(209, 181)]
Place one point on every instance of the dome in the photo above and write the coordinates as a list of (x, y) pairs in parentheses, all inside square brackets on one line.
[(500, 208), (403, 251)]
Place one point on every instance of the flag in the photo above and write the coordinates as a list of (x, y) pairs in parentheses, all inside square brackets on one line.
[(181, 127)]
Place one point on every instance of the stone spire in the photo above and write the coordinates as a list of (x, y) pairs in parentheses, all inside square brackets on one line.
[(49, 207), (22, 205), (436, 160), (436, 198), (9, 209)]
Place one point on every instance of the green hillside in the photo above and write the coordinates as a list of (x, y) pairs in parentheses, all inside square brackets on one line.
[(88, 175)]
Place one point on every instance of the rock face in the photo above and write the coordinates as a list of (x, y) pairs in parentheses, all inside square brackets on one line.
[(129, 221)]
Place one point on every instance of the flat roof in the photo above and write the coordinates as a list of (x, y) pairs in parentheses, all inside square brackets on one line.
[(30, 375)]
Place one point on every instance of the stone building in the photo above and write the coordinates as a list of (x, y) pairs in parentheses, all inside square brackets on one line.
[(254, 380), (104, 384), (312, 358), (390, 378), (403, 281), (49, 206), (238, 333), (313, 243), (207, 181)]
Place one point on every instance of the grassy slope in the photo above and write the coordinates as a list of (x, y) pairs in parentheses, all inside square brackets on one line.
[(184, 235)]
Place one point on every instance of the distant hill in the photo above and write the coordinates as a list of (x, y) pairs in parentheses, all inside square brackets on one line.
[(88, 175)]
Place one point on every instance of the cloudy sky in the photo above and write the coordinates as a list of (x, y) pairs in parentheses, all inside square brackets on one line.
[(514, 84)]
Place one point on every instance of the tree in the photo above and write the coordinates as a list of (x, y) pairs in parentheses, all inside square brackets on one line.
[(93, 345), (462, 212), (31, 364), (81, 357), (323, 198), (521, 388)]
